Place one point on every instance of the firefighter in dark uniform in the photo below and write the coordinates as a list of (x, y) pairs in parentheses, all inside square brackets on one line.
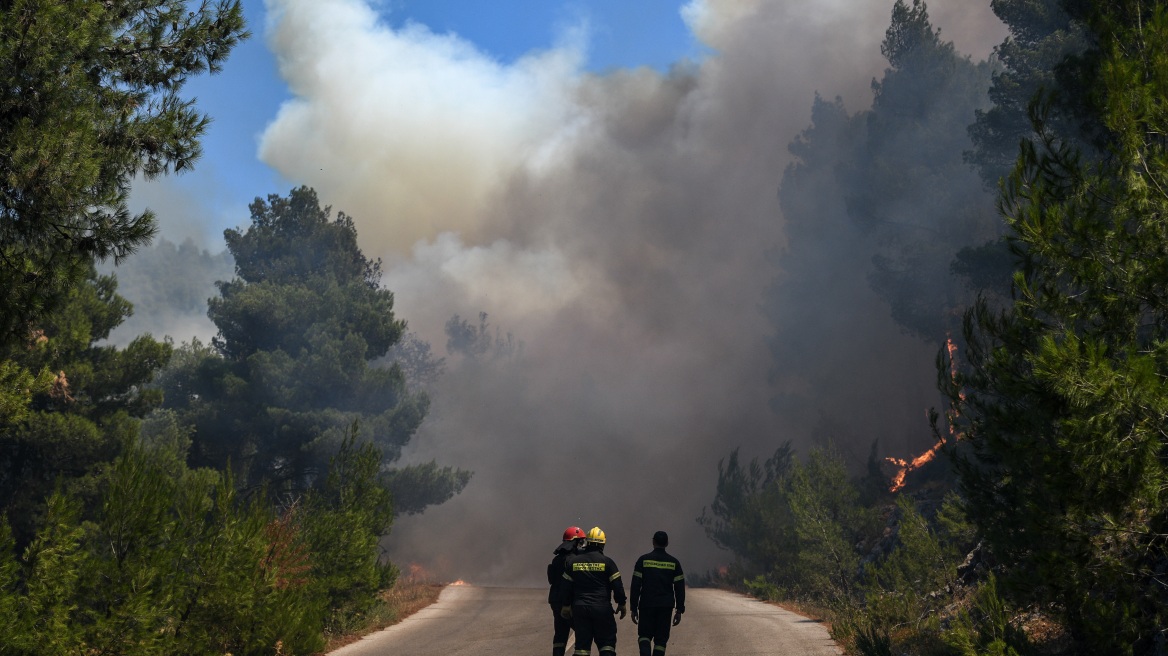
[(573, 542), (658, 583), (591, 579)]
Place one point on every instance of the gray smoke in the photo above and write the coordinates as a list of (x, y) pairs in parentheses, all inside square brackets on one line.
[(618, 225)]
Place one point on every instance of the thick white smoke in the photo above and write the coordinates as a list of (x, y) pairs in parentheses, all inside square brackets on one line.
[(617, 225), (408, 124)]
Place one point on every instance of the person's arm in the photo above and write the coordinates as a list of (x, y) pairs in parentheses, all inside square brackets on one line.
[(618, 588), (566, 587), (635, 586), (615, 583), (679, 588)]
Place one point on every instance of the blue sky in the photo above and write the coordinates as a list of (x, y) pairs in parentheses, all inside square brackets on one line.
[(246, 95)]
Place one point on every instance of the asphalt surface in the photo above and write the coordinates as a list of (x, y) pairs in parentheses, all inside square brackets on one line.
[(469, 620)]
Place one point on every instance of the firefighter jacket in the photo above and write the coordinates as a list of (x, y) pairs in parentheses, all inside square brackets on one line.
[(555, 573), (589, 578), (658, 581)]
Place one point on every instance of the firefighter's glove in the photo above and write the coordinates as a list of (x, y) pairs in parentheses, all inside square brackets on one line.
[(620, 610), (677, 618), (636, 616), (566, 612)]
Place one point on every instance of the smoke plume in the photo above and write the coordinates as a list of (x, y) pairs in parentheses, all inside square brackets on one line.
[(617, 225)]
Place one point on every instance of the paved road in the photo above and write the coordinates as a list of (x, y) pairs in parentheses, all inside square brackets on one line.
[(470, 620)]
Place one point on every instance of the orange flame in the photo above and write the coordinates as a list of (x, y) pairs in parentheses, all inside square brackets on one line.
[(459, 582), (906, 466)]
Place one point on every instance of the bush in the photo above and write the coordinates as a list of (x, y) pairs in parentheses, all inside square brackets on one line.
[(985, 629), (915, 580), (873, 641), (343, 524)]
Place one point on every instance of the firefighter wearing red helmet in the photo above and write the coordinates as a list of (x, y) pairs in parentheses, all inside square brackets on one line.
[(574, 539), (592, 582)]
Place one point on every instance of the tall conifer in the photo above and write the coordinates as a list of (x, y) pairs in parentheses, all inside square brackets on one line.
[(1064, 400)]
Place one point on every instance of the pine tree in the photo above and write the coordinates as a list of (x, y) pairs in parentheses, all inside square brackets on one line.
[(907, 187), (293, 366), (830, 524), (343, 523), (90, 409), (47, 585), (1034, 57), (90, 97), (1063, 401)]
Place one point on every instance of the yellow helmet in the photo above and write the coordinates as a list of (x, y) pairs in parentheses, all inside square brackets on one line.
[(595, 536)]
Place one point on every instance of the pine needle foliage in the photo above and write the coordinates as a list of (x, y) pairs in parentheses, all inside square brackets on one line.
[(90, 98), (1064, 398), (298, 360), (797, 527), (910, 586), (177, 561), (985, 629), (344, 522), (86, 408)]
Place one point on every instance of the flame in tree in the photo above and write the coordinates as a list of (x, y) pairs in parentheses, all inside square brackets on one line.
[(906, 466)]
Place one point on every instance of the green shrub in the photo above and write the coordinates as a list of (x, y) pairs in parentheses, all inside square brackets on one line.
[(42, 585), (343, 522), (916, 579), (985, 629), (873, 641)]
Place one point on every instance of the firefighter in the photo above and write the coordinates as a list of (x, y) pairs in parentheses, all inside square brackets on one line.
[(658, 583), (591, 581), (574, 539)]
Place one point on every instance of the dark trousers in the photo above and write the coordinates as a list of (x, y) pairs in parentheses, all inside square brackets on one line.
[(560, 629), (653, 630), (594, 623)]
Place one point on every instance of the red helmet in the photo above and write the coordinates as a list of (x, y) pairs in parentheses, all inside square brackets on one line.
[(574, 533)]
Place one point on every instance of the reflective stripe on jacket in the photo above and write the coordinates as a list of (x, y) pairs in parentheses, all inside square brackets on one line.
[(658, 581), (590, 578)]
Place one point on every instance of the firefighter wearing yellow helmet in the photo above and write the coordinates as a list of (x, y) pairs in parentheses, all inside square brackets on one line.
[(592, 581)]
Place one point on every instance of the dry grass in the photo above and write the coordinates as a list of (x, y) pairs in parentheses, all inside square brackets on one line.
[(1049, 637), (809, 611), (406, 597)]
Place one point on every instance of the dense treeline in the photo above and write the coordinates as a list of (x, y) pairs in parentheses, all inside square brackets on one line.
[(1042, 528), (1062, 399), (176, 561), (809, 531), (199, 499)]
